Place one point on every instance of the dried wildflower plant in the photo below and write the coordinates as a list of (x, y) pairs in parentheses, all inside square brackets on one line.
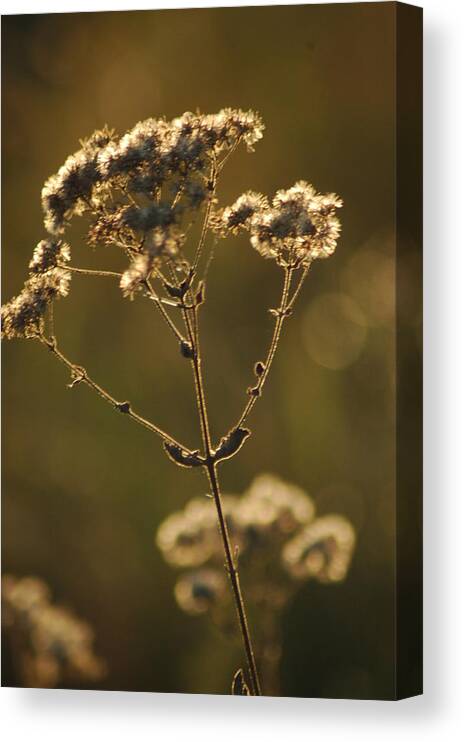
[(49, 643), (281, 544), (141, 193)]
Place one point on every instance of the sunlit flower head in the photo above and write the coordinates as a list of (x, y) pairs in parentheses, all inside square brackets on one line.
[(142, 160), (239, 215), (298, 227), (23, 315), (230, 125), (153, 157), (71, 189), (49, 254)]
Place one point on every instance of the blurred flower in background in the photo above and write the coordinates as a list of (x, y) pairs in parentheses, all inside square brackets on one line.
[(50, 646), (280, 543), (322, 550)]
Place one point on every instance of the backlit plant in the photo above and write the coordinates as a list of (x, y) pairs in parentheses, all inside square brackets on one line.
[(141, 194)]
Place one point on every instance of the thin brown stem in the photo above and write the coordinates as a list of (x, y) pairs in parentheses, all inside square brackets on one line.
[(90, 271), (298, 287), (177, 197), (80, 375), (234, 580), (212, 190), (229, 153), (110, 274), (151, 293), (191, 323), (280, 315)]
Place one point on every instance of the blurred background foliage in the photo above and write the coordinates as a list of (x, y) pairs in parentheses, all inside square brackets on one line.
[(85, 490)]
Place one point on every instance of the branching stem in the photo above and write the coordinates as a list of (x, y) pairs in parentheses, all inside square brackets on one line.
[(90, 271), (151, 293), (110, 274), (149, 290), (280, 315), (298, 288), (212, 190), (80, 375)]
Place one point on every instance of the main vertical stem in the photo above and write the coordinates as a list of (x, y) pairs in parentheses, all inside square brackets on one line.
[(234, 579), (210, 466)]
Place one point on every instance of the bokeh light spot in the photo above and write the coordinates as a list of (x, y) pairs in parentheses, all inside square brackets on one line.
[(334, 330), (369, 278)]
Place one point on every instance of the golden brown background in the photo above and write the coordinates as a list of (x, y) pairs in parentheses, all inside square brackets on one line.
[(83, 489)]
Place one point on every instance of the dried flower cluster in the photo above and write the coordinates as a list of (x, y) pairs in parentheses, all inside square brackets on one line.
[(23, 315), (274, 527), (103, 180), (161, 173), (142, 191), (51, 645), (298, 227)]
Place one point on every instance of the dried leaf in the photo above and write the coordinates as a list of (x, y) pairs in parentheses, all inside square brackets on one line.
[(231, 443), (183, 458)]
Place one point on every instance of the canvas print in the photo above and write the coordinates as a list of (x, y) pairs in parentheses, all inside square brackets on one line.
[(211, 330)]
